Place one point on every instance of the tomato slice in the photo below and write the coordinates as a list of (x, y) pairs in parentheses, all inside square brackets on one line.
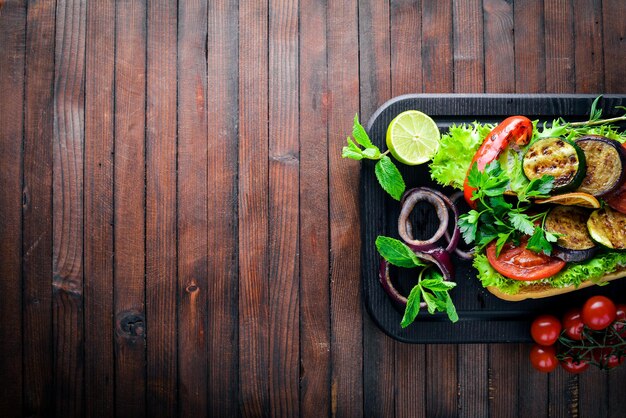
[(519, 263)]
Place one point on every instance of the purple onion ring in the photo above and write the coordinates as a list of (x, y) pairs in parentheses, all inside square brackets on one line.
[(409, 201)]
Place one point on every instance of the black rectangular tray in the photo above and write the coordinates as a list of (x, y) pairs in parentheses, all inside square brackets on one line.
[(483, 317)]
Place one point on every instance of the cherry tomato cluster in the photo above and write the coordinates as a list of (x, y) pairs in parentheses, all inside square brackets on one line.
[(594, 335)]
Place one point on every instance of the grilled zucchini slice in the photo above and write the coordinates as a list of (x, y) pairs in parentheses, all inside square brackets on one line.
[(575, 243), (608, 227), (556, 157), (606, 159)]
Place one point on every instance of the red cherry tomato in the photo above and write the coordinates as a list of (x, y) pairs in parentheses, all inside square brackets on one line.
[(620, 320), (573, 324), (574, 366), (607, 358), (598, 312), (543, 358), (519, 263), (545, 329)]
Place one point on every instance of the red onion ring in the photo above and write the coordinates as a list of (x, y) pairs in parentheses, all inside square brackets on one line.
[(409, 200)]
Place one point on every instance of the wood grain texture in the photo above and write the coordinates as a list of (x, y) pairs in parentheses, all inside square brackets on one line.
[(500, 66), (222, 103), (531, 387), (468, 49), (284, 166), (130, 204), (437, 46), (530, 57), (253, 209), (588, 46), (559, 44), (12, 59), (161, 231), (375, 89), (503, 380), (192, 212), (315, 347), (37, 209), (67, 262), (614, 42), (98, 202), (345, 248)]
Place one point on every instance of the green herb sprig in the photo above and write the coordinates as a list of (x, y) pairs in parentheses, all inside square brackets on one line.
[(431, 286), (386, 171), (497, 219)]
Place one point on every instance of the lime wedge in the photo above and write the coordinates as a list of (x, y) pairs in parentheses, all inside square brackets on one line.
[(413, 137)]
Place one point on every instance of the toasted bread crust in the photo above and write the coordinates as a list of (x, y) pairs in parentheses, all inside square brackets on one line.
[(543, 290)]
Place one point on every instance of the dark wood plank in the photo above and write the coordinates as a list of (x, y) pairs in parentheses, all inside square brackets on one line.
[(192, 210), (406, 77), (614, 42), (559, 44), (530, 58), (564, 396), (469, 55), (284, 164), (130, 201), (499, 46), (12, 39), (253, 209), (615, 395), (315, 350), (437, 76), (503, 379), (406, 46), (437, 47), (375, 89), (98, 201), (531, 386), (222, 207), (592, 391), (345, 240), (37, 209), (588, 45), (67, 267), (161, 233)]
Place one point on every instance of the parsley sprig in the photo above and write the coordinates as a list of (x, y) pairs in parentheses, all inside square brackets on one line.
[(386, 171), (431, 286), (498, 219)]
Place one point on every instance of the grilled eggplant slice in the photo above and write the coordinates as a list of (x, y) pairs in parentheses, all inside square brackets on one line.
[(556, 157), (608, 227), (575, 243), (606, 159)]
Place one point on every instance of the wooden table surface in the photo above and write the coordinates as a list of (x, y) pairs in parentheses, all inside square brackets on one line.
[(179, 234)]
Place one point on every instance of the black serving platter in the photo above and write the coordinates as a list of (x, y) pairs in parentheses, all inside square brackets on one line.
[(483, 317)]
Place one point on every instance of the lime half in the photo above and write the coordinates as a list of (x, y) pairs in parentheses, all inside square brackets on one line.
[(413, 137)]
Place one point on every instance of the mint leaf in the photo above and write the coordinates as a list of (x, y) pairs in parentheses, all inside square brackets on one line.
[(389, 177), (437, 284), (451, 309), (412, 306), (349, 153), (372, 153), (431, 302), (397, 253), (358, 132)]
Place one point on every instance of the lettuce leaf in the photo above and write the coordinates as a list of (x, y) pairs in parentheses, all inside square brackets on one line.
[(572, 275), (456, 150)]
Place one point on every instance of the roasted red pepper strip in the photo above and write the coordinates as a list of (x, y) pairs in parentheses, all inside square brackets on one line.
[(516, 129)]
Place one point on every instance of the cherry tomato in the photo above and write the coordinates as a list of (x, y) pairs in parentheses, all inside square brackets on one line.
[(519, 263), (518, 129), (620, 320), (598, 312), (574, 366), (545, 329), (607, 358), (573, 324), (543, 358)]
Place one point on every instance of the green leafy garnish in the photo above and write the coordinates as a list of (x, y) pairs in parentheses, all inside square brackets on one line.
[(387, 173), (431, 286)]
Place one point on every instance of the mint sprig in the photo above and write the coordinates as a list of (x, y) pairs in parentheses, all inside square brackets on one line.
[(431, 286), (387, 173)]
